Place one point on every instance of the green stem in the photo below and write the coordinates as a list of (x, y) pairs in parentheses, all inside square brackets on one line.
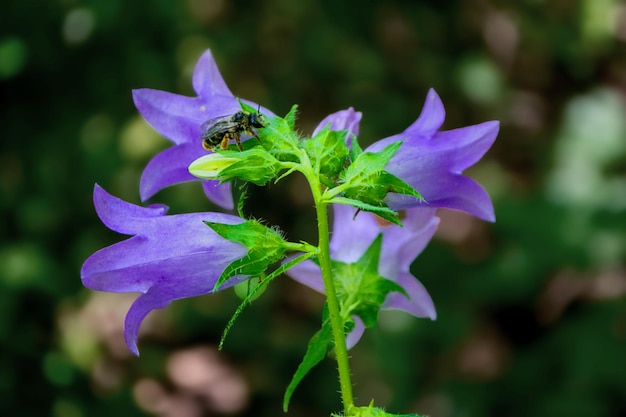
[(300, 247), (339, 336), (336, 321)]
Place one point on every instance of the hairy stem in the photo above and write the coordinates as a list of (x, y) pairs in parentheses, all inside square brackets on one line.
[(337, 324), (323, 254)]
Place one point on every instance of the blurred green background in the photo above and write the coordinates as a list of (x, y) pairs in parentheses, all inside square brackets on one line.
[(531, 309)]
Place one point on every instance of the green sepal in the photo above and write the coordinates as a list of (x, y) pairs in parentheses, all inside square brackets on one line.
[(241, 198), (355, 149), (371, 411), (327, 151), (246, 107), (290, 117), (317, 350), (367, 163), (383, 211), (265, 247), (279, 137), (361, 290), (366, 179), (255, 290), (255, 165)]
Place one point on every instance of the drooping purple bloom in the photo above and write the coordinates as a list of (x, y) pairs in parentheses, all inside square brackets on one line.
[(166, 259), (432, 161), (351, 236), (179, 119)]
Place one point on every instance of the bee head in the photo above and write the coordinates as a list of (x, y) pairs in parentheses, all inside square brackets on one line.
[(257, 120)]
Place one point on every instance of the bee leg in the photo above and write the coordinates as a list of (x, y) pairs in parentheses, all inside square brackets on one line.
[(237, 140), (224, 142), (251, 132)]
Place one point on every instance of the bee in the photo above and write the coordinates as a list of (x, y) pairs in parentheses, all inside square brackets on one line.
[(221, 130)]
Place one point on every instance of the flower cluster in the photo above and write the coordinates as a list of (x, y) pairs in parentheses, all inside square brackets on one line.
[(178, 256)]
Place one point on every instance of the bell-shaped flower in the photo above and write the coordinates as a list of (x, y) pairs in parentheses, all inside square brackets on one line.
[(432, 161), (352, 236), (180, 119), (166, 259)]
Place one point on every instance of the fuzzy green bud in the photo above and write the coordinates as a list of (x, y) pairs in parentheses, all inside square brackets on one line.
[(254, 165)]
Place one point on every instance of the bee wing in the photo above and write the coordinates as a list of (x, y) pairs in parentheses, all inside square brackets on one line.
[(209, 123), (219, 128)]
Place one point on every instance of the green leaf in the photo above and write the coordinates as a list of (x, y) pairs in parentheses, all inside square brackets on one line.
[(265, 247), (383, 211), (316, 351)]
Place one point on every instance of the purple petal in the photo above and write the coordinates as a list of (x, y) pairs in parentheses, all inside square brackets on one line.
[(308, 273), (137, 264), (171, 167), (419, 303), (355, 335), (120, 216), (176, 117), (351, 235), (465, 146), (401, 245), (161, 296), (207, 80), (450, 191), (220, 194), (342, 120), (167, 168), (432, 116)]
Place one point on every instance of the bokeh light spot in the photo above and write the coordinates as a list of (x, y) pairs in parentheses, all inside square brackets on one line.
[(12, 57), (78, 25)]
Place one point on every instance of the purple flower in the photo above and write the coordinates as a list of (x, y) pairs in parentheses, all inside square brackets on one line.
[(179, 118), (400, 246), (431, 161), (168, 257)]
